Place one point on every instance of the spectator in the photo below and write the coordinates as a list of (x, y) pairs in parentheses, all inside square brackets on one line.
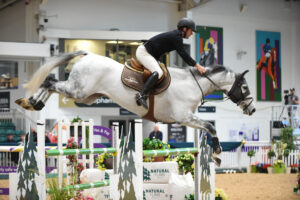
[(10, 138), (22, 139), (34, 134), (156, 133), (47, 140)]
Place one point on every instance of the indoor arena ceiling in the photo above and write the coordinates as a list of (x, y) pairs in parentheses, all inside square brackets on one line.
[(188, 4), (184, 5), (5, 3)]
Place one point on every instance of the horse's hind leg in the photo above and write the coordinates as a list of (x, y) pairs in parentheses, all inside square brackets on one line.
[(38, 99), (195, 122)]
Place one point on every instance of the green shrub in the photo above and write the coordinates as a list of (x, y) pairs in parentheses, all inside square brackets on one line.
[(286, 136)]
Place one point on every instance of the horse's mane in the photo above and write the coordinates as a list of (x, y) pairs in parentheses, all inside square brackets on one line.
[(216, 69), (210, 70)]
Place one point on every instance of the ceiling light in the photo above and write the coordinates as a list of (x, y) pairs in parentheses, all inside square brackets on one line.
[(135, 43), (114, 42)]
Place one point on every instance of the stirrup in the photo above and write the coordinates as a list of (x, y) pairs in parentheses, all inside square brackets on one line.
[(141, 100)]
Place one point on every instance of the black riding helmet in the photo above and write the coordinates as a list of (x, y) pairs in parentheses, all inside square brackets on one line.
[(186, 22)]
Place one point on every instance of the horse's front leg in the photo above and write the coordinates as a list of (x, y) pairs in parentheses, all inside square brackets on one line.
[(194, 121)]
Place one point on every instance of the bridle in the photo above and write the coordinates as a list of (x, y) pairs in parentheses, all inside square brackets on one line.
[(235, 94)]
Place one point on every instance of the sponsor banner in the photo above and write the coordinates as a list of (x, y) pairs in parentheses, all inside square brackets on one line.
[(158, 172), (104, 132), (14, 169), (156, 191), (4, 191), (65, 102), (6, 170)]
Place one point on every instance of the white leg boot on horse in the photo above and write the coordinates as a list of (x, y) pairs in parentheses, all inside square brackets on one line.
[(141, 97)]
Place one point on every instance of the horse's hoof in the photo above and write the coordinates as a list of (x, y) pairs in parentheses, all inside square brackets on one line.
[(218, 150), (39, 106), (23, 102), (216, 160), (216, 145), (19, 101)]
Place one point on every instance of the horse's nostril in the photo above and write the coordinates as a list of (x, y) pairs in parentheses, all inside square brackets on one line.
[(253, 111)]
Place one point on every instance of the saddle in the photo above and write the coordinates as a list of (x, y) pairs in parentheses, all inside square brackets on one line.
[(134, 76)]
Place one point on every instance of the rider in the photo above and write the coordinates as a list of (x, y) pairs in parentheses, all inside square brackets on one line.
[(148, 54)]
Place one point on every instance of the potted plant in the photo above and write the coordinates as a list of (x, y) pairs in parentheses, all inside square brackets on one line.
[(220, 194), (286, 154), (270, 154), (185, 163), (190, 197), (294, 168), (252, 167), (267, 168), (279, 167), (260, 168), (297, 188), (105, 161), (155, 144)]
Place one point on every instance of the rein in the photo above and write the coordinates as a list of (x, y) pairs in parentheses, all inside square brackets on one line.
[(202, 99), (229, 94)]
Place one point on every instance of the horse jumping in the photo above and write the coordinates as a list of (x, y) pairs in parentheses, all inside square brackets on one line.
[(93, 76)]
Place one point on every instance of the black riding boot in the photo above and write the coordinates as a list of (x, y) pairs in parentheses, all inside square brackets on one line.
[(141, 98)]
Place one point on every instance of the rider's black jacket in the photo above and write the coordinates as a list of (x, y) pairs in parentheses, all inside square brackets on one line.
[(166, 42)]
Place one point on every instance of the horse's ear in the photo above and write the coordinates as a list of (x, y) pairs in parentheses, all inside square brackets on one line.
[(245, 72)]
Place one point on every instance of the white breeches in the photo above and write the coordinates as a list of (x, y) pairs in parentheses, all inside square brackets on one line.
[(148, 60)]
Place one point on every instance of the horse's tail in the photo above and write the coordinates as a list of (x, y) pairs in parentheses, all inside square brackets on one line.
[(40, 75)]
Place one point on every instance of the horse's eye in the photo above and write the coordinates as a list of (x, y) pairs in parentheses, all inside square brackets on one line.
[(245, 87)]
